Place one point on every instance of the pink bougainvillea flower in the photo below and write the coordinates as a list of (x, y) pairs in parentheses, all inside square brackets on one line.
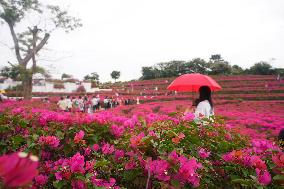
[(263, 176), (188, 117), (58, 176), (278, 159), (79, 137), (90, 165), (136, 140), (203, 153), (18, 169), (173, 157), (77, 163), (96, 147), (258, 163), (228, 136), (159, 168), (117, 131), (51, 141), (41, 180), (118, 154), (188, 171), (78, 184), (107, 149), (131, 164), (177, 139), (103, 183)]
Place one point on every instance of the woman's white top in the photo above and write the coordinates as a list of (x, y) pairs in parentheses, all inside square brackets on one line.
[(204, 109)]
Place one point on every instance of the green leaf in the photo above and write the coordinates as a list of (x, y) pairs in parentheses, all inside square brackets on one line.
[(175, 183), (17, 139), (58, 184), (278, 177), (60, 135), (101, 163)]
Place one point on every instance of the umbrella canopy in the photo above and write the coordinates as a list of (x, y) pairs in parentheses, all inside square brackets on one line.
[(192, 82)]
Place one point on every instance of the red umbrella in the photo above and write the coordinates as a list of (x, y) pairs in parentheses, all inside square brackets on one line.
[(192, 82)]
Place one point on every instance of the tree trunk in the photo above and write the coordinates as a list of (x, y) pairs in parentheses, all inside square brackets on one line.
[(27, 85)]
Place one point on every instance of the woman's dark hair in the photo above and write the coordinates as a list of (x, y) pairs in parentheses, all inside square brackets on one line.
[(281, 137), (205, 94)]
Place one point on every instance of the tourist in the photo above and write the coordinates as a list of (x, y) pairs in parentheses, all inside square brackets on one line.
[(204, 104), (68, 104), (99, 102), (74, 102), (106, 102), (86, 103), (281, 138), (80, 104), (62, 104), (94, 103)]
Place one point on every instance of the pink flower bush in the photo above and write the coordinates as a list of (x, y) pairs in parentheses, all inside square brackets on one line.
[(77, 163), (51, 141), (107, 149), (18, 169), (117, 131), (79, 137), (130, 145), (41, 180), (159, 168), (187, 172), (263, 176), (188, 117), (78, 184), (203, 153)]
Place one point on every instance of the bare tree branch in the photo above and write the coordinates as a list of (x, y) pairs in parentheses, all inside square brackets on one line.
[(16, 42), (37, 48)]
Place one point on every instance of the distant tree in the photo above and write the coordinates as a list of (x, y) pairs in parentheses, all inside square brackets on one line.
[(236, 70), (66, 76), (261, 68), (27, 44), (197, 65), (115, 75), (148, 73), (279, 71), (10, 72), (94, 77), (14, 72), (216, 58), (220, 68)]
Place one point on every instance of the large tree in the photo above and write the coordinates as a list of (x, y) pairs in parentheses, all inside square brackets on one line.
[(115, 75), (261, 68), (14, 72), (28, 43), (94, 77)]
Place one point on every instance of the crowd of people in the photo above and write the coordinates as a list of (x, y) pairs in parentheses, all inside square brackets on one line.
[(90, 104)]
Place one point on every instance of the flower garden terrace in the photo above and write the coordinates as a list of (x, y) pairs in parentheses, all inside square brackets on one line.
[(248, 87), (151, 145)]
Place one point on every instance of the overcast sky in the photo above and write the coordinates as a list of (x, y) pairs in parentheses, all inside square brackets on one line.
[(125, 35)]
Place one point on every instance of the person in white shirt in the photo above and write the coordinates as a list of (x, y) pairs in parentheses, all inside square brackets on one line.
[(80, 104), (62, 104), (94, 103), (68, 104), (204, 104)]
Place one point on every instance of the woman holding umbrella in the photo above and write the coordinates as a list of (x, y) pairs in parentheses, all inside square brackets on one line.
[(204, 104), (203, 84)]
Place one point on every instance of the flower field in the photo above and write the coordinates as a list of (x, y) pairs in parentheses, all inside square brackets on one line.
[(150, 145)]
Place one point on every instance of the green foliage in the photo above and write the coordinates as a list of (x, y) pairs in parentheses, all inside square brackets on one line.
[(115, 75), (94, 77), (261, 68), (66, 76), (220, 68)]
